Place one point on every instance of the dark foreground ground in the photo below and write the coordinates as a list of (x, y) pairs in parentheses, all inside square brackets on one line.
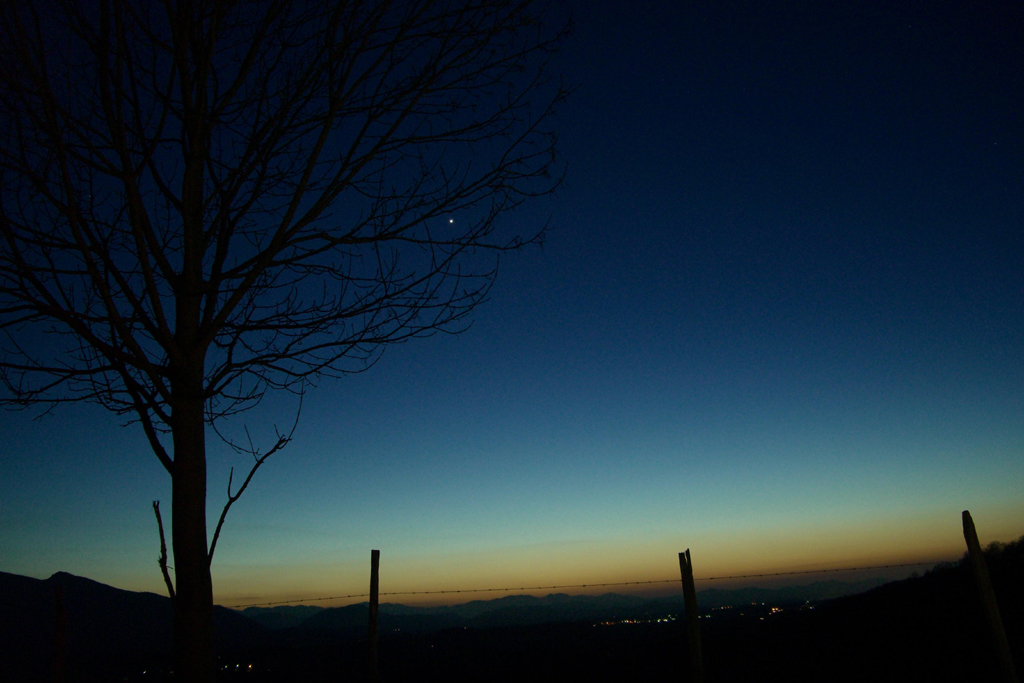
[(928, 628)]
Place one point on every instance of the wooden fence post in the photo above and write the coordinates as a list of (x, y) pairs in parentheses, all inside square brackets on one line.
[(988, 599), (692, 615), (374, 585)]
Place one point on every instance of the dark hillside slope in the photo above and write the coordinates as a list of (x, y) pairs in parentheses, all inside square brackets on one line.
[(928, 628), (108, 630)]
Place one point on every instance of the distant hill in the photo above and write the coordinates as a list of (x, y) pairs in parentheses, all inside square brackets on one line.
[(104, 626), (527, 610), (281, 616), (352, 620), (788, 595)]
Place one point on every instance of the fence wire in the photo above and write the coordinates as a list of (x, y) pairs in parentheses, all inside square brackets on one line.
[(509, 589)]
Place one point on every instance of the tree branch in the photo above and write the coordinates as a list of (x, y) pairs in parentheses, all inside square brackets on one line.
[(282, 441), (162, 561)]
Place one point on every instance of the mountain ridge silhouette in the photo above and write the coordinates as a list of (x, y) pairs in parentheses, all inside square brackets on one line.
[(102, 623)]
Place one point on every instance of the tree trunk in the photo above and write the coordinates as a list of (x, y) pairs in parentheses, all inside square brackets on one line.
[(193, 604), (193, 611)]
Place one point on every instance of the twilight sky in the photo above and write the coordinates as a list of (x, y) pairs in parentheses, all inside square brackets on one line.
[(779, 320)]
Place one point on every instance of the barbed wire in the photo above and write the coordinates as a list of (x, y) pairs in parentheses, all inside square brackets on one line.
[(587, 585)]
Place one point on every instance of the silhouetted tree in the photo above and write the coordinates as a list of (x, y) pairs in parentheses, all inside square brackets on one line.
[(202, 201)]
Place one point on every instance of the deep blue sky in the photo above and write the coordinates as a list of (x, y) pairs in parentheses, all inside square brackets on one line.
[(779, 319)]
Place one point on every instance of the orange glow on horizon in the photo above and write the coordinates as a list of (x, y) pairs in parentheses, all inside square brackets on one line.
[(548, 568)]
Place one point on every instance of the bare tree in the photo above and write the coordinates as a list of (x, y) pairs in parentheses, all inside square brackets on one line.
[(203, 201)]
